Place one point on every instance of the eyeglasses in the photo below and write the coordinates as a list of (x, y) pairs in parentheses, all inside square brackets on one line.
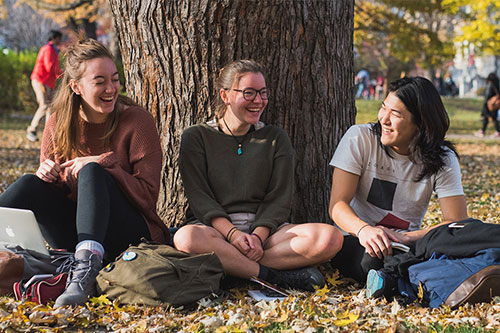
[(249, 94)]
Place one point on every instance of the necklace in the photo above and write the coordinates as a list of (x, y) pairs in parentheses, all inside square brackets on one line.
[(240, 150)]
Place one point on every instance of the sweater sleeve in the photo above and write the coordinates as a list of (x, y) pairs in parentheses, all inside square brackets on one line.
[(47, 151), (277, 203), (47, 147), (193, 170), (139, 177)]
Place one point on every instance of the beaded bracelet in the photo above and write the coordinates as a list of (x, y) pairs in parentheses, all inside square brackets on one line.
[(256, 235), (229, 233), (357, 234)]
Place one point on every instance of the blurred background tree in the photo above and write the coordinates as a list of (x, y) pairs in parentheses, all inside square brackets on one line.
[(480, 25), (395, 36)]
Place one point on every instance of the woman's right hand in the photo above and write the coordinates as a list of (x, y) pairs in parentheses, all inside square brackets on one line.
[(376, 241), (242, 241), (48, 171)]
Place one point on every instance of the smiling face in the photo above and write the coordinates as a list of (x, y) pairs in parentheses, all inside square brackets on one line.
[(246, 112), (98, 87), (398, 129)]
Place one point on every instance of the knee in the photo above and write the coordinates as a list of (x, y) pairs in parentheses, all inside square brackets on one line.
[(184, 239), (27, 184), (91, 168), (93, 171), (25, 189), (329, 241)]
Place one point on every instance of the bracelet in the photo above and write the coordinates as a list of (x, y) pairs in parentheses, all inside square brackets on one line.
[(229, 233), (357, 234), (256, 235)]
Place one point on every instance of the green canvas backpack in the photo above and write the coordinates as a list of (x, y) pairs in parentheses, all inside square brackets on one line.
[(154, 274)]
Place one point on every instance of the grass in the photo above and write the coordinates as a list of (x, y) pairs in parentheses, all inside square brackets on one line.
[(465, 114)]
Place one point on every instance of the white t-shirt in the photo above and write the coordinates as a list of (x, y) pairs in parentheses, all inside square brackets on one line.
[(387, 192)]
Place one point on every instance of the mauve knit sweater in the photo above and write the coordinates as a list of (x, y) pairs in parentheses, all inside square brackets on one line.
[(133, 157)]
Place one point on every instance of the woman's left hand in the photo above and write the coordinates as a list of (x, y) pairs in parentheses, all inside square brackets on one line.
[(75, 165), (398, 237), (256, 252)]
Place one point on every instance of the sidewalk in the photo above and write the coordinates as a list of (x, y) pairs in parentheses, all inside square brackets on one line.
[(471, 136)]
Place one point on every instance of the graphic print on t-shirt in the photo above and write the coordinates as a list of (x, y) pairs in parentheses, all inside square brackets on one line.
[(382, 193)]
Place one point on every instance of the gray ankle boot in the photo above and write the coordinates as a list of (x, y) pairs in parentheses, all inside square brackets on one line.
[(81, 279)]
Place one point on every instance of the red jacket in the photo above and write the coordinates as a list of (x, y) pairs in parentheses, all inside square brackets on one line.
[(47, 68)]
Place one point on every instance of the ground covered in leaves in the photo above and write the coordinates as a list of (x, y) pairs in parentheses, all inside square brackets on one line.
[(341, 305)]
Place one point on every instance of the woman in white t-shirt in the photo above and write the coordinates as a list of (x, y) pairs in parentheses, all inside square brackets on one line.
[(385, 174)]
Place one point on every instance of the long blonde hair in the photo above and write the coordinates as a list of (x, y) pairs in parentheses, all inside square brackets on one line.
[(231, 74), (67, 104)]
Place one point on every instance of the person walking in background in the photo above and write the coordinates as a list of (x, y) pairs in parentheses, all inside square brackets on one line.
[(363, 81), (492, 89), (43, 80), (379, 89)]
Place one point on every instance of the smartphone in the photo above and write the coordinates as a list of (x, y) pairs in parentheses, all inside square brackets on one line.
[(400, 246), (277, 290)]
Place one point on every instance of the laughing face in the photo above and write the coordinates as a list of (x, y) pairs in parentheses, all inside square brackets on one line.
[(98, 87), (398, 129), (247, 112)]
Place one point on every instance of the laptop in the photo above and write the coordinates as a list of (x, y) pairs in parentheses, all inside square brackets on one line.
[(19, 227)]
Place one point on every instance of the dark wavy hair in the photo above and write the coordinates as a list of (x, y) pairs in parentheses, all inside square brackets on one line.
[(422, 100), (493, 78)]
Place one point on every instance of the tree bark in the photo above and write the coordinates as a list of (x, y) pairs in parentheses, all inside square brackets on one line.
[(172, 52)]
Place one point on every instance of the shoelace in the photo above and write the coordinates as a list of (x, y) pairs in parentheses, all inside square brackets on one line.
[(68, 262), (79, 269)]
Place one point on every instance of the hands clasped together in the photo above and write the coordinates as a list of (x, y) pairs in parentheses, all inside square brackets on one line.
[(249, 245), (50, 171)]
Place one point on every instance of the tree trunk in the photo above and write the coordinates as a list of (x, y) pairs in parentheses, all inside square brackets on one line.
[(173, 50)]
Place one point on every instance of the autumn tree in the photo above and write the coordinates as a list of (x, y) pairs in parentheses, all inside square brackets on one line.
[(172, 51), (17, 30), (480, 25), (396, 35)]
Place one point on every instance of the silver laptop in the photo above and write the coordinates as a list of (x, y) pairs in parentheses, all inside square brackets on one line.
[(19, 226)]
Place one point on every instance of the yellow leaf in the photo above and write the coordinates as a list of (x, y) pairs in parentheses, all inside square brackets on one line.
[(347, 318), (333, 278), (282, 318), (485, 196), (420, 294), (322, 291), (101, 300)]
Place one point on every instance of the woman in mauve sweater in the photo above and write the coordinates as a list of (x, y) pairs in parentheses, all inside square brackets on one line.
[(238, 175), (96, 188)]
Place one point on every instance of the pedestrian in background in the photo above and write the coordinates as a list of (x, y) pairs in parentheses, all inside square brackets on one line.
[(492, 89), (363, 82), (43, 80)]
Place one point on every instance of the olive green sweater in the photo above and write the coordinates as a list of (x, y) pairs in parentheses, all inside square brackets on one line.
[(218, 181)]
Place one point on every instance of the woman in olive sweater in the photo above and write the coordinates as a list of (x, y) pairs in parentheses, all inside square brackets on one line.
[(238, 175)]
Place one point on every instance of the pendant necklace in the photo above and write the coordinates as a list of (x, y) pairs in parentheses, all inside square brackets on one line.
[(240, 150)]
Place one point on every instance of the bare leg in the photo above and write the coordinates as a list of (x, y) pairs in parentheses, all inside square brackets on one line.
[(300, 245), (196, 239)]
